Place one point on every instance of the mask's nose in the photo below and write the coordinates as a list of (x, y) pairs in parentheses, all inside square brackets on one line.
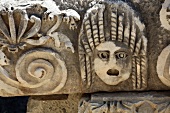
[(113, 72)]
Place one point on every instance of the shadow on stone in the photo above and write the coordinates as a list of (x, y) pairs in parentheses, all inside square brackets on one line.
[(13, 104)]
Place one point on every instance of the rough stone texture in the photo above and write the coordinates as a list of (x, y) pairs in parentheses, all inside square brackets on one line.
[(55, 104)]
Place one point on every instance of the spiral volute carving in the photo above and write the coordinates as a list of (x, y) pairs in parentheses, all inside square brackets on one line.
[(41, 69)]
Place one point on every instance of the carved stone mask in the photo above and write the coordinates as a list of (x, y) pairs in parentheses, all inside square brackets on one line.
[(112, 62), (112, 47)]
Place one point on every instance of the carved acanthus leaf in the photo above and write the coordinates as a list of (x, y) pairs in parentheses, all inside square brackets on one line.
[(14, 39), (31, 36), (19, 35)]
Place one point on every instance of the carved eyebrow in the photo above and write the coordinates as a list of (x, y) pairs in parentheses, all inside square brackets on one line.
[(103, 51), (123, 50), (96, 51), (106, 48)]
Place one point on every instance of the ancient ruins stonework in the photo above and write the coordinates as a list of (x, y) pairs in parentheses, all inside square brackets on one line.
[(32, 46), (38, 56), (163, 62), (164, 14), (86, 47), (113, 46), (131, 103), (163, 66)]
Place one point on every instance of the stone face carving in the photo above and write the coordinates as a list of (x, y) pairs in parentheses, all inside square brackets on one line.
[(48, 49), (164, 14), (125, 103), (113, 47), (163, 64), (112, 63), (31, 47)]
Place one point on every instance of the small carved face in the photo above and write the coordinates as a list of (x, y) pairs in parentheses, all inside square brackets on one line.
[(112, 63), (3, 59)]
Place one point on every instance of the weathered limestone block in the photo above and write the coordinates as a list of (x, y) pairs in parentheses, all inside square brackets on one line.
[(37, 57), (154, 102), (113, 48), (116, 45), (52, 47), (40, 48)]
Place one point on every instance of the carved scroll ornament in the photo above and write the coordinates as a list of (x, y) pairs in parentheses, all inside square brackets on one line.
[(163, 66), (163, 59), (112, 47), (41, 69), (28, 65)]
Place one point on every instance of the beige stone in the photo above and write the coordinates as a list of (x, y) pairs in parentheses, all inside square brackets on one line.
[(163, 68), (111, 48), (83, 46), (164, 14), (87, 46), (33, 49), (54, 104)]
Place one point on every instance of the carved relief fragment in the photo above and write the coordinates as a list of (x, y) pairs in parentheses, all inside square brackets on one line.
[(22, 28), (113, 47), (119, 103), (163, 58), (41, 69), (31, 45), (165, 14), (163, 66)]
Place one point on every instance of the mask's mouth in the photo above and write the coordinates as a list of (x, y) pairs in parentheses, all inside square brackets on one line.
[(113, 72)]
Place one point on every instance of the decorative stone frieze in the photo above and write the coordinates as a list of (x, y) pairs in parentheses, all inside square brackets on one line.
[(154, 102), (48, 47), (40, 48), (114, 52)]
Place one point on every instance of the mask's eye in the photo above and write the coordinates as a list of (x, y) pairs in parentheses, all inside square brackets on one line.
[(121, 55), (104, 55)]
